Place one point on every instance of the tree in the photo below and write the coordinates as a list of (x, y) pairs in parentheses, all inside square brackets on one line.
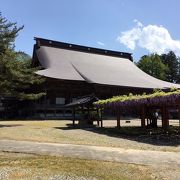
[(8, 34), (178, 79), (22, 56), (152, 65), (172, 62), (16, 76)]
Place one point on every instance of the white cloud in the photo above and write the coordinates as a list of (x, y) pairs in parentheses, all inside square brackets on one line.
[(138, 22), (156, 39), (100, 43)]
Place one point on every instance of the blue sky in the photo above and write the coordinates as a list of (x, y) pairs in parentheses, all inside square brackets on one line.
[(136, 26)]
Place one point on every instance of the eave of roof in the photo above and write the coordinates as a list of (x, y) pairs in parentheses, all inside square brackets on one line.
[(72, 64), (83, 101)]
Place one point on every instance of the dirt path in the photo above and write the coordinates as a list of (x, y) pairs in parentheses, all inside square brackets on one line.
[(144, 157)]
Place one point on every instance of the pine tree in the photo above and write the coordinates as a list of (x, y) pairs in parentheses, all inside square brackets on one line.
[(17, 78), (8, 33)]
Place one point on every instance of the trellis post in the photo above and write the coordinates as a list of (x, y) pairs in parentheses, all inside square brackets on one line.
[(74, 116), (118, 119), (179, 112), (143, 116), (101, 118), (98, 116), (165, 116)]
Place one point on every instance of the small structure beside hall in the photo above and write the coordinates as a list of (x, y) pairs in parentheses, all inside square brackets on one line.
[(84, 111)]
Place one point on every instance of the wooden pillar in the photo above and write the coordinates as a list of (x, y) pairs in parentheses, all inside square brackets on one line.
[(98, 116), (74, 116), (89, 119), (118, 119), (165, 116), (45, 106), (82, 115), (64, 113), (179, 112), (101, 118), (55, 112), (101, 123), (143, 116)]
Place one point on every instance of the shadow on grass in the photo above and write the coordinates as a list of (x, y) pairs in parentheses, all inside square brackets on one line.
[(155, 136), (13, 125)]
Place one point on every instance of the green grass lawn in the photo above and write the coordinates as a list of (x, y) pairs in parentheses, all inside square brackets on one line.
[(61, 132)]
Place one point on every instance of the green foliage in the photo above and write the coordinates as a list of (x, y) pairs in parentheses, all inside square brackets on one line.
[(8, 34), (165, 67), (172, 62), (157, 90), (16, 75), (173, 89), (22, 56), (152, 65)]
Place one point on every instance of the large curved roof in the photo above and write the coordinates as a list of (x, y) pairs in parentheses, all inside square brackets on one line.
[(94, 68)]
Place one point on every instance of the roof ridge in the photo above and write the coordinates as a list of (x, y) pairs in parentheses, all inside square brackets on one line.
[(75, 47)]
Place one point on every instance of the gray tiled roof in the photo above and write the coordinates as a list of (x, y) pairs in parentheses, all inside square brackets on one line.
[(94, 68)]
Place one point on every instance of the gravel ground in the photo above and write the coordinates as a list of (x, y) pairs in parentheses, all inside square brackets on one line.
[(5, 174), (61, 132)]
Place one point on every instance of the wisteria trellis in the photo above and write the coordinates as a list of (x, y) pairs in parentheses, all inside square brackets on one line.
[(157, 98)]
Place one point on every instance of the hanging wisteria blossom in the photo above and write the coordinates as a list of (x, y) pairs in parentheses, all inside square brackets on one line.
[(125, 102)]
